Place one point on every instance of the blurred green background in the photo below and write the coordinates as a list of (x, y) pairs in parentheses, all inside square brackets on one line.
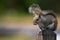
[(16, 11), (20, 7)]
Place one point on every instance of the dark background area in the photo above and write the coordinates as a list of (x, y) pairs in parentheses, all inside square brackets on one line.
[(22, 5)]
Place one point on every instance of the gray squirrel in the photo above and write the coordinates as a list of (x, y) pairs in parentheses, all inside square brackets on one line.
[(44, 19), (48, 21)]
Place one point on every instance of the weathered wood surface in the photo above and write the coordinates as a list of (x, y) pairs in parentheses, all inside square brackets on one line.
[(46, 35), (39, 36)]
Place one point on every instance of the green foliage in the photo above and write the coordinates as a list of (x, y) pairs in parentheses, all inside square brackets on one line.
[(22, 5)]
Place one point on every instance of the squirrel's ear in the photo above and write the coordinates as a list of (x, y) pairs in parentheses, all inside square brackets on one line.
[(30, 9), (33, 6)]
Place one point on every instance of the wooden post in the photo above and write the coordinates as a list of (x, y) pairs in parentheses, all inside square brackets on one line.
[(46, 35), (39, 36)]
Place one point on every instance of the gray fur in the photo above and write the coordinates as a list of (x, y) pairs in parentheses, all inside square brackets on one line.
[(47, 21)]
